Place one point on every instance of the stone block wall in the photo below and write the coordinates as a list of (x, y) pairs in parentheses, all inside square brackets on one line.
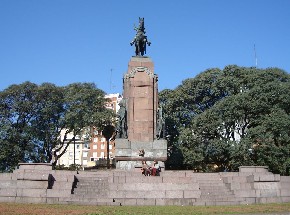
[(256, 184), (37, 183), (285, 188)]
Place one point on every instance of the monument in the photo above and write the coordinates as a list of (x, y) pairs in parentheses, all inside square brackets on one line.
[(139, 129)]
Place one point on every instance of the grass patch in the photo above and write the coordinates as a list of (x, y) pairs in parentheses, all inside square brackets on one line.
[(46, 209)]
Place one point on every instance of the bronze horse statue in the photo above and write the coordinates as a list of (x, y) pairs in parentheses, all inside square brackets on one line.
[(140, 40)]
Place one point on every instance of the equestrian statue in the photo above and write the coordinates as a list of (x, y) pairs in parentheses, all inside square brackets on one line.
[(140, 40)]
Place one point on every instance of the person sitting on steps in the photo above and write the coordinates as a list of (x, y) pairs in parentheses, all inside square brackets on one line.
[(156, 169), (145, 169)]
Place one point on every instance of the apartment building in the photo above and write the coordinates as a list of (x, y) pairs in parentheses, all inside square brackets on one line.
[(89, 150), (98, 146), (77, 150)]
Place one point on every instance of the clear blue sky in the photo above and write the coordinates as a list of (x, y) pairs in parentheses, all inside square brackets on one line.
[(67, 41)]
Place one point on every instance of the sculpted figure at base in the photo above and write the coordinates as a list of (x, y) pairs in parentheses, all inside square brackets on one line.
[(122, 121), (140, 40), (160, 124)]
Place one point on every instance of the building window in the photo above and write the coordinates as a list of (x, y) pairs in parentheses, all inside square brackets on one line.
[(110, 146), (102, 146), (85, 154), (95, 154), (102, 154), (85, 162), (95, 146), (96, 132), (103, 139), (95, 139), (86, 146), (92, 159)]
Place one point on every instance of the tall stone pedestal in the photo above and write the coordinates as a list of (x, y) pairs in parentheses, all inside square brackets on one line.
[(141, 98), (141, 95)]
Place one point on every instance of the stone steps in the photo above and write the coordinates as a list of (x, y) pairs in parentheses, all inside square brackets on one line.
[(215, 203), (155, 201), (88, 184), (92, 177), (92, 187), (216, 192), (7, 184), (216, 197), (89, 189), (137, 187), (86, 200), (90, 195), (212, 186), (158, 186), (29, 185)]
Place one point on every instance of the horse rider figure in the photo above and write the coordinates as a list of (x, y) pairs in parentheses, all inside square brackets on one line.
[(140, 39)]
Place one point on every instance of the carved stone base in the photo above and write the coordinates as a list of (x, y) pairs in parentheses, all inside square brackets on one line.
[(127, 153)]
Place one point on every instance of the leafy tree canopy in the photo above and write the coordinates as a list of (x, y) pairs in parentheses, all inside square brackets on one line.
[(33, 116), (228, 118)]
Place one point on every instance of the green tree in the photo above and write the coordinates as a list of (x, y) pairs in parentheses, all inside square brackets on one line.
[(32, 118), (84, 107), (271, 141), (48, 121), (17, 106), (180, 106), (169, 107), (218, 115)]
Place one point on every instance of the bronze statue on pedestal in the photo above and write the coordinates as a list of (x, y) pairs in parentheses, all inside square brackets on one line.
[(140, 40)]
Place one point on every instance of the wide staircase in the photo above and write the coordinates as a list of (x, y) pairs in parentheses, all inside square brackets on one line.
[(91, 188), (132, 188), (214, 191), (170, 188), (39, 184)]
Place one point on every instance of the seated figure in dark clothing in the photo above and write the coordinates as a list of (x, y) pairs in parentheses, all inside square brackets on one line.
[(145, 169), (156, 169)]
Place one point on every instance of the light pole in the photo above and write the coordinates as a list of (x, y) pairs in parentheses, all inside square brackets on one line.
[(74, 148)]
